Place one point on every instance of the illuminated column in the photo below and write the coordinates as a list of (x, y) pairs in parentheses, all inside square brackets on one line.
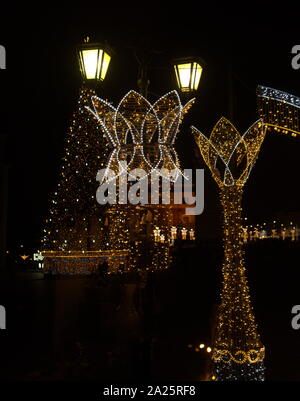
[(237, 346), (238, 353)]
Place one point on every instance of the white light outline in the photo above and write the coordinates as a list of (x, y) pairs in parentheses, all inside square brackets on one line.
[(169, 138)]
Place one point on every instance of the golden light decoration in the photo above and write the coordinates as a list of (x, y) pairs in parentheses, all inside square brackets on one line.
[(156, 233), (265, 232), (76, 223), (82, 262), (279, 110), (173, 232), (192, 234), (183, 233), (141, 134), (230, 157)]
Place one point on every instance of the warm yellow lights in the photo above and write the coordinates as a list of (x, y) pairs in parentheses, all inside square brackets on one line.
[(173, 232), (208, 349), (192, 234), (142, 135), (83, 262), (251, 356), (229, 155), (76, 237), (183, 233), (280, 111), (201, 346), (156, 233), (188, 73), (94, 61)]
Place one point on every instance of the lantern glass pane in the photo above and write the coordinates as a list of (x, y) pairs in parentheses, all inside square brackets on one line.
[(184, 71), (105, 64), (90, 62), (197, 75), (177, 76)]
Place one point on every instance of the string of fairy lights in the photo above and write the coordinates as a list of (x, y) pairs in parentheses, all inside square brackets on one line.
[(141, 134), (237, 352), (271, 230), (279, 110)]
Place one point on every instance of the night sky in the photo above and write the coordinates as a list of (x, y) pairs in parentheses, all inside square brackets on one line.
[(39, 92)]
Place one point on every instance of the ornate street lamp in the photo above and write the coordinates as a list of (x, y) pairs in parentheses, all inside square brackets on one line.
[(94, 59), (188, 73)]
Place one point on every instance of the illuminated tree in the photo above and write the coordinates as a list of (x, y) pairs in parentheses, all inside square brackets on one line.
[(238, 353), (75, 220)]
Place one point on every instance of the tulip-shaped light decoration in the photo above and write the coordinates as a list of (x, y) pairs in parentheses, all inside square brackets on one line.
[(238, 353)]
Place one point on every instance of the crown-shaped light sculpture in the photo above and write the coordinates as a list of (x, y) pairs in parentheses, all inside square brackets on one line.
[(238, 353), (141, 134), (279, 110)]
